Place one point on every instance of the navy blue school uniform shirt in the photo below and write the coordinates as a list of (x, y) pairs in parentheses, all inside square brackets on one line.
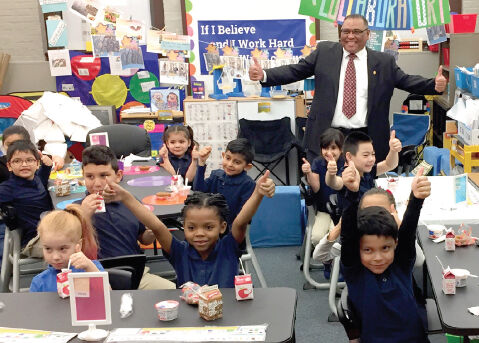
[(117, 230), (365, 184), (46, 281), (180, 163), (30, 199), (4, 172), (385, 302), (320, 167), (220, 267), (236, 189)]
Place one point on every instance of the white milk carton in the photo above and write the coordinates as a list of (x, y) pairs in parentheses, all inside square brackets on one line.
[(244, 287)]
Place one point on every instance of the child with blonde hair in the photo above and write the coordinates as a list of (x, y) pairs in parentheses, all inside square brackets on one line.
[(65, 236)]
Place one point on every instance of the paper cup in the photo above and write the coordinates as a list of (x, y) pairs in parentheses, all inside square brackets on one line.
[(435, 231), (167, 310)]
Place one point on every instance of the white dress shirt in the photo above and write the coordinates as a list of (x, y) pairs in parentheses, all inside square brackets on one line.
[(360, 118)]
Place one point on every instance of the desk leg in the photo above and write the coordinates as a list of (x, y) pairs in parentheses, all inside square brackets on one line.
[(467, 162)]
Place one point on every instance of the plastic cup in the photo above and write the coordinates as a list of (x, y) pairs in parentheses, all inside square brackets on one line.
[(167, 310)]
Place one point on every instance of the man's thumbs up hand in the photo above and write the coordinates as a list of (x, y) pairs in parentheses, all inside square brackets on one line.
[(440, 81)]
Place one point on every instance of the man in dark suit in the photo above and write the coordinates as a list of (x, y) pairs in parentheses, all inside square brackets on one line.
[(353, 86)]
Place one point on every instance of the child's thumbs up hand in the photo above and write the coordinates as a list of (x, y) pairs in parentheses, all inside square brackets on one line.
[(306, 167), (163, 152), (394, 143), (421, 186), (332, 167), (351, 177), (265, 185), (204, 154)]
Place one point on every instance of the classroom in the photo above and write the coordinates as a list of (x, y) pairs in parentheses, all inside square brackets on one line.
[(205, 170)]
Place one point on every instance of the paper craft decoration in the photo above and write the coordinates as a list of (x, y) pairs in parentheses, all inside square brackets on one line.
[(105, 46), (130, 53), (198, 89), (165, 99), (116, 68), (49, 6), (140, 85), (131, 28), (59, 61), (56, 32), (153, 41), (90, 303), (172, 41), (174, 72), (86, 9), (85, 67), (436, 34), (109, 90), (99, 138)]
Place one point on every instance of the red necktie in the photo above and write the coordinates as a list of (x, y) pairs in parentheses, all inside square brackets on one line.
[(349, 96)]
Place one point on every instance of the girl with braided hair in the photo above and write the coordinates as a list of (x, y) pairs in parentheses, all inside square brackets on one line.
[(204, 257)]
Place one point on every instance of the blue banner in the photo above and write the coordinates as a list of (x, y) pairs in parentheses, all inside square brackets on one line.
[(246, 35)]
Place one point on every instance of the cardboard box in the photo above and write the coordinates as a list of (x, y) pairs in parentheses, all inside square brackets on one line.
[(451, 126), (468, 135)]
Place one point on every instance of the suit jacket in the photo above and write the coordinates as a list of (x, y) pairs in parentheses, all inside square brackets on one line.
[(325, 64)]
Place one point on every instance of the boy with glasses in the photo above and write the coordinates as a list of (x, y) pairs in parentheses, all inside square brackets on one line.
[(26, 189)]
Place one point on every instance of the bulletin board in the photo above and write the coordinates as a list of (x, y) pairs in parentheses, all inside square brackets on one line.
[(242, 24)]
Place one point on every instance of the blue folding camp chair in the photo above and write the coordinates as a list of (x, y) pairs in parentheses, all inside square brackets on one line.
[(411, 130)]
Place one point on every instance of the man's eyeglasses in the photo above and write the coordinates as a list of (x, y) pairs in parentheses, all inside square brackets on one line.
[(19, 162), (356, 32)]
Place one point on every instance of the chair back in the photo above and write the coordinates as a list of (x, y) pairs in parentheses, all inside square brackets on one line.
[(411, 129), (135, 264), (125, 139), (269, 138), (120, 279)]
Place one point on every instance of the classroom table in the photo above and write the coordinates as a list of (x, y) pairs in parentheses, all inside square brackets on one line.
[(47, 311), (453, 313), (162, 212), (439, 207)]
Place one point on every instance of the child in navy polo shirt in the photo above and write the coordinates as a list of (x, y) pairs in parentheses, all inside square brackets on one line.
[(358, 148), (204, 257), (26, 189), (378, 260), (117, 228), (179, 151), (232, 181), (65, 236), (331, 142)]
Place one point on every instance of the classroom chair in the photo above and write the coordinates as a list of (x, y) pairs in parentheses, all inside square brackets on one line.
[(13, 265), (411, 129), (125, 139), (120, 279), (133, 264), (249, 256), (272, 141)]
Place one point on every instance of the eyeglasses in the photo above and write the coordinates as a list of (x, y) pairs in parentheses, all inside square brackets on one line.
[(356, 32), (19, 162)]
